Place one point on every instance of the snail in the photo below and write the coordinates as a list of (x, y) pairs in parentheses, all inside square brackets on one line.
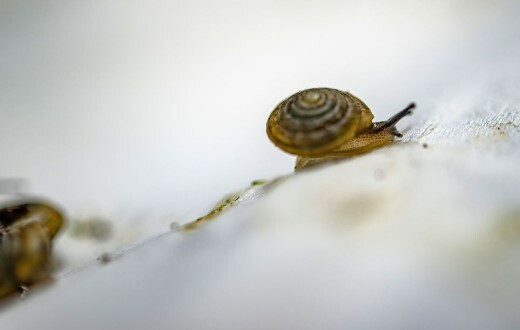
[(26, 233), (320, 124)]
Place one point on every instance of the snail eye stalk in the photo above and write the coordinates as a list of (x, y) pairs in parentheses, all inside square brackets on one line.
[(392, 121)]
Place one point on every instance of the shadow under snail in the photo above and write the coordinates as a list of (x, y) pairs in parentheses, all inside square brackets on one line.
[(320, 124), (26, 233)]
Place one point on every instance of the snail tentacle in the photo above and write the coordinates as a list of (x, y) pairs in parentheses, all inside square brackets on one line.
[(392, 121)]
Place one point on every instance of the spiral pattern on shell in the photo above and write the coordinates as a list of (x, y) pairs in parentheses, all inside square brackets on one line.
[(314, 121)]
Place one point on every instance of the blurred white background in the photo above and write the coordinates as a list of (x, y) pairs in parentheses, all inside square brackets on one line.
[(147, 112), (155, 109)]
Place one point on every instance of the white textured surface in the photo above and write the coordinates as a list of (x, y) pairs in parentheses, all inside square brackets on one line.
[(405, 237)]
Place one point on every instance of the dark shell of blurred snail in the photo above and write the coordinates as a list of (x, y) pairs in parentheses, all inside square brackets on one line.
[(318, 124), (27, 229)]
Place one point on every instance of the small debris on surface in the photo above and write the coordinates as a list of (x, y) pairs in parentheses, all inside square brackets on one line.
[(258, 182), (219, 208), (174, 226), (425, 145), (251, 192), (105, 258)]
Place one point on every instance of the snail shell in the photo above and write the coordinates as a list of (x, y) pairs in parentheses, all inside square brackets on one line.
[(26, 232), (314, 121)]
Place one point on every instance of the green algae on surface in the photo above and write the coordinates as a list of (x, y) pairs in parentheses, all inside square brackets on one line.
[(254, 190)]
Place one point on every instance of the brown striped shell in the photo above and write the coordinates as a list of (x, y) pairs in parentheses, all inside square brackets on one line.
[(26, 232), (315, 121)]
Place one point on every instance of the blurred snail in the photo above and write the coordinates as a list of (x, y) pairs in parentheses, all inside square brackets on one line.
[(319, 124), (26, 233)]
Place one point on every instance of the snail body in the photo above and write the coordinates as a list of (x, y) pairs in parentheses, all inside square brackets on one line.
[(320, 124), (26, 233)]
